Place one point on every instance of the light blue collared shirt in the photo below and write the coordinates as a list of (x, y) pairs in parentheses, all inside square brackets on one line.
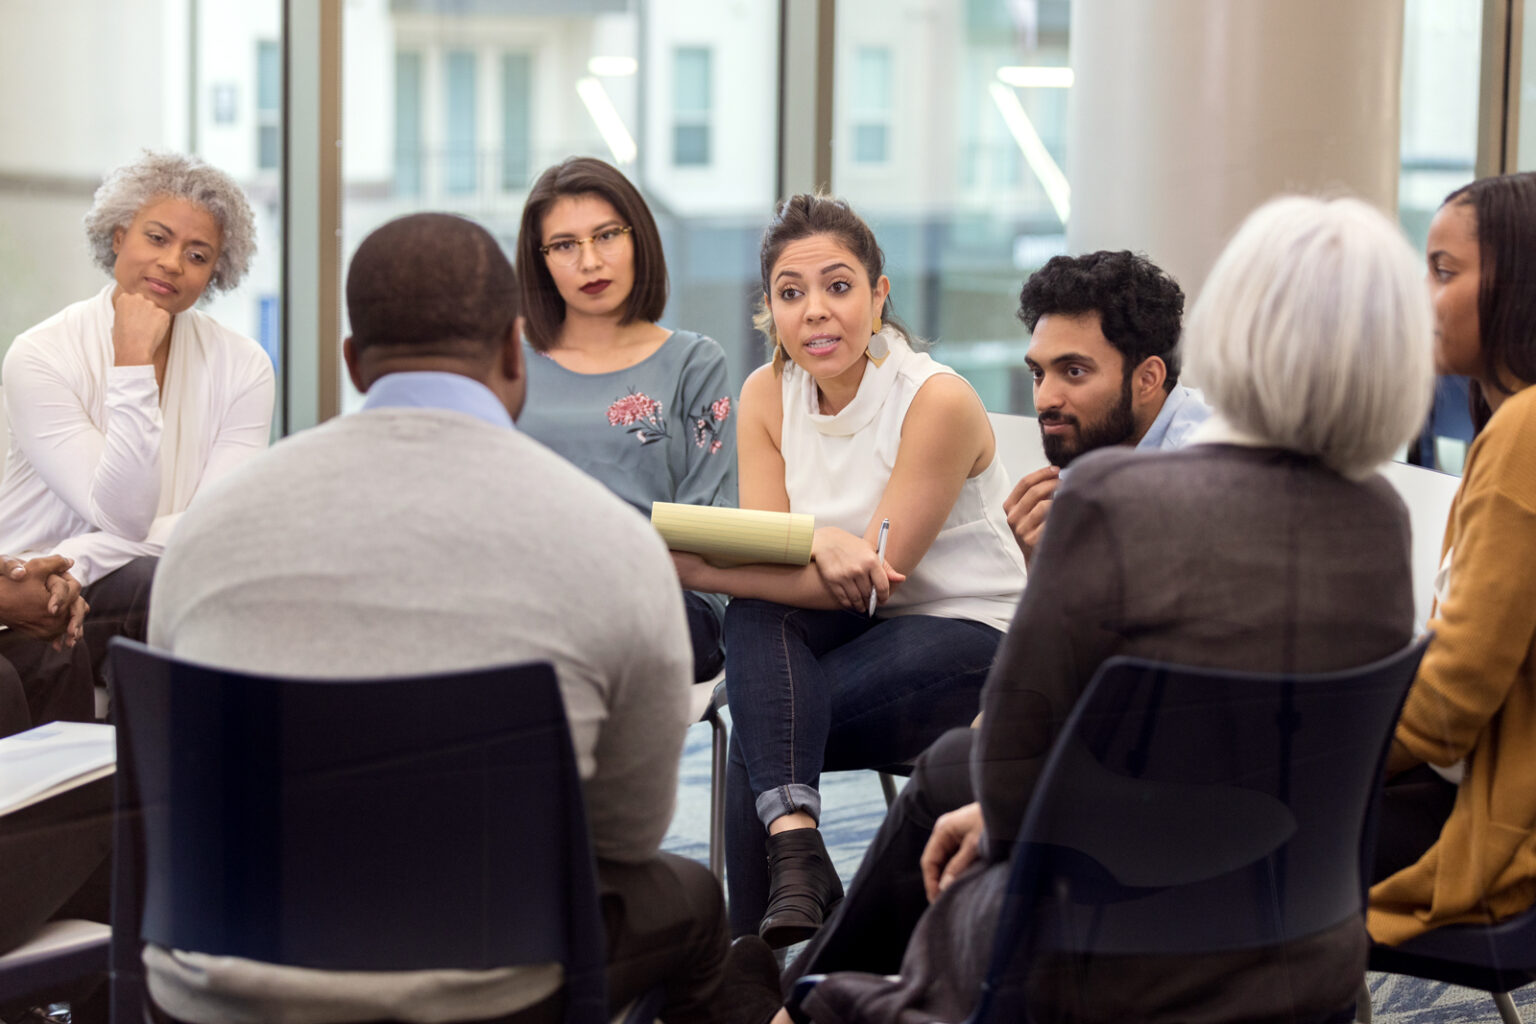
[(1183, 410), (433, 389)]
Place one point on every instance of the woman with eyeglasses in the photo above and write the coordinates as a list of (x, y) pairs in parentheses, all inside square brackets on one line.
[(643, 408)]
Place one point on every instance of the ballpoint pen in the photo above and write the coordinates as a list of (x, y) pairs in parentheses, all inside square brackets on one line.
[(885, 529)]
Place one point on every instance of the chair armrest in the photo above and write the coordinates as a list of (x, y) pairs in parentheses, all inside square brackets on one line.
[(798, 993)]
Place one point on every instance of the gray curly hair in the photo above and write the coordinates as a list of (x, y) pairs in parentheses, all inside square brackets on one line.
[(128, 189)]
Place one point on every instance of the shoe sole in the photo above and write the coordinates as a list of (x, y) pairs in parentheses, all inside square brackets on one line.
[(778, 936)]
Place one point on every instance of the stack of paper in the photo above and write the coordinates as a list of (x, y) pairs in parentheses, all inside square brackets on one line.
[(734, 536), (38, 763)]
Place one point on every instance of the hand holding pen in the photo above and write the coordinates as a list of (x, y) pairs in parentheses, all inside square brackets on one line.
[(885, 531)]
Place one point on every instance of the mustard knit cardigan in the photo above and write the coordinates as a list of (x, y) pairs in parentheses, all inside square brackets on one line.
[(1475, 697)]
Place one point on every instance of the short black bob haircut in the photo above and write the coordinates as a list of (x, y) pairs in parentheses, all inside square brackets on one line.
[(577, 176), (1140, 307)]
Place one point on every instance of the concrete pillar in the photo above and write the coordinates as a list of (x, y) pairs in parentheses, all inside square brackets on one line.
[(1186, 114)]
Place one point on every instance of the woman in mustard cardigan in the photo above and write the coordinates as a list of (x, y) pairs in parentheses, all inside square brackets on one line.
[(1465, 744)]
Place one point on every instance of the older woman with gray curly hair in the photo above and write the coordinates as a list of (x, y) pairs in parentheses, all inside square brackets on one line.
[(124, 405)]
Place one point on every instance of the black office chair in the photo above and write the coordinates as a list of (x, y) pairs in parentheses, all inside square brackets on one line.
[(64, 839), (396, 824), (60, 962), (1495, 958), (1189, 811)]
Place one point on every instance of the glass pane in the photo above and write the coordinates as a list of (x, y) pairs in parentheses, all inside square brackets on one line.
[(269, 99), (869, 143), (454, 105), (872, 86), (193, 76), (269, 76), (459, 117), (980, 82), (408, 124), (691, 85), (1525, 140), (517, 119), (1442, 41), (690, 144), (269, 147)]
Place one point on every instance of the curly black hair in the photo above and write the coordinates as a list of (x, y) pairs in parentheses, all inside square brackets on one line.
[(1140, 307)]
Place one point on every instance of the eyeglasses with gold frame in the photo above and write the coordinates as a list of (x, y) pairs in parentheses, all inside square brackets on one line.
[(567, 251)]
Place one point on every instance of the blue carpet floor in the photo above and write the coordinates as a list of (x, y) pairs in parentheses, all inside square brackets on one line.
[(853, 808)]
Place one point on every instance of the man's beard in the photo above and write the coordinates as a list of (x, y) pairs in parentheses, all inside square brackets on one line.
[(1116, 427)]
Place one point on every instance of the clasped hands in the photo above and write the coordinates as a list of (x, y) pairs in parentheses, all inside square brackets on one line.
[(41, 599)]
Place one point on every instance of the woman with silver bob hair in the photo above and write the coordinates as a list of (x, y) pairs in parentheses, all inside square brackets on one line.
[(1264, 545), (1312, 334), (126, 404)]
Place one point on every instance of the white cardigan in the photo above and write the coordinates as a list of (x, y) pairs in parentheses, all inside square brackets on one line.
[(101, 463)]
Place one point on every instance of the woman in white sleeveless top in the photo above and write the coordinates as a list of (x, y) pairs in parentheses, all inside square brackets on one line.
[(848, 423)]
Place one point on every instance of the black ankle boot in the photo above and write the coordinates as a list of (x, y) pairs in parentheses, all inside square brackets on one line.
[(803, 887)]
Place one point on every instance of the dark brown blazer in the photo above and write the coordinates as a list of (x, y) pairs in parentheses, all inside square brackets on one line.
[(1216, 555)]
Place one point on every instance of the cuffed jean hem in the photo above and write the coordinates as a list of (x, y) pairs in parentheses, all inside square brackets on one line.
[(781, 800)]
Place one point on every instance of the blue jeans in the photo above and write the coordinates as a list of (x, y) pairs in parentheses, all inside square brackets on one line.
[(830, 690), (704, 632)]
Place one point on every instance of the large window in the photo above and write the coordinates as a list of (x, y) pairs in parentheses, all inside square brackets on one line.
[(1442, 40), (1441, 43), (460, 106), (948, 133), (969, 196)]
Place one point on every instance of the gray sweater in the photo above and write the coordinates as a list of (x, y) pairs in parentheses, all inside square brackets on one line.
[(400, 541)]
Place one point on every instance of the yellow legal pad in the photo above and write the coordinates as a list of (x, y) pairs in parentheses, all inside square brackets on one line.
[(735, 536)]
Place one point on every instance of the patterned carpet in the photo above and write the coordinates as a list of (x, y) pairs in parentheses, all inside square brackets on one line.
[(854, 807)]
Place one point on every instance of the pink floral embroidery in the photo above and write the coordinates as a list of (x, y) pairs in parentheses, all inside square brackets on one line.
[(641, 415), (631, 408), (706, 424)]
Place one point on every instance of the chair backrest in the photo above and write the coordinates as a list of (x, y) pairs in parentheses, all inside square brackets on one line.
[(388, 824), (1426, 492), (1428, 495), (1194, 811), (1018, 443)]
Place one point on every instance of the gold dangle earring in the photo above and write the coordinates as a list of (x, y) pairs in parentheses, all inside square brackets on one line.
[(878, 349)]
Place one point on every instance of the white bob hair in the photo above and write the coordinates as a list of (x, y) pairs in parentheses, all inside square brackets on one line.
[(1314, 333), (128, 189)]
